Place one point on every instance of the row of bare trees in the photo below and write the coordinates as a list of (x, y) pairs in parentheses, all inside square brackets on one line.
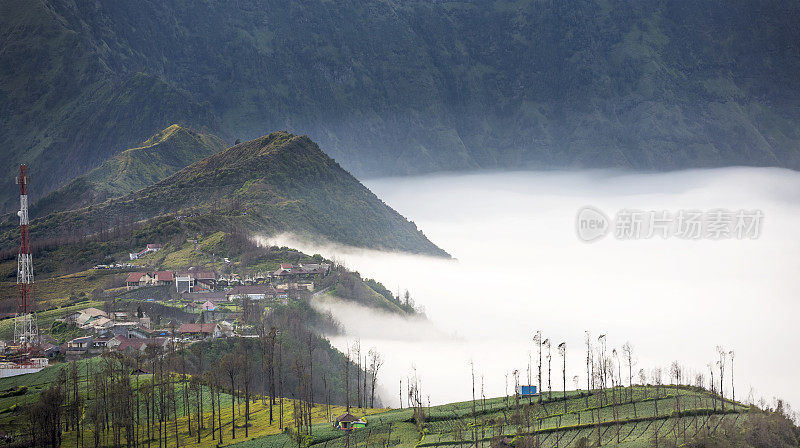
[(111, 402), (367, 369)]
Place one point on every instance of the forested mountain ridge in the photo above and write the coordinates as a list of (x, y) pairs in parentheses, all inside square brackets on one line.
[(408, 87), (161, 155), (277, 183)]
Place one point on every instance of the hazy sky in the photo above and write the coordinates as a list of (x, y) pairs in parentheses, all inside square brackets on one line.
[(520, 268)]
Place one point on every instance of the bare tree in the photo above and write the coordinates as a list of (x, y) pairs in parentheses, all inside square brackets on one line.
[(357, 353), (246, 378), (614, 382), (601, 342), (474, 416), (721, 365), (401, 393), (675, 372), (280, 382), (537, 339), (657, 381), (733, 387), (546, 343), (376, 361), (627, 351), (230, 366), (713, 387), (347, 380), (588, 365), (643, 381), (562, 350)]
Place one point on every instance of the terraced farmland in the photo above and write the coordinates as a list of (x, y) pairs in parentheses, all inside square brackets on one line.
[(622, 417)]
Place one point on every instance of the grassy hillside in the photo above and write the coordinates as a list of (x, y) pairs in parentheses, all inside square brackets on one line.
[(407, 87), (47, 314), (160, 156), (65, 272), (644, 416), (12, 417), (498, 423), (279, 182)]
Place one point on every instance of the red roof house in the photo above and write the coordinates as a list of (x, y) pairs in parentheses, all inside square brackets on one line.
[(200, 331)]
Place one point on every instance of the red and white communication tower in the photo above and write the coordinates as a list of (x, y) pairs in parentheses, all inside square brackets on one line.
[(26, 329)]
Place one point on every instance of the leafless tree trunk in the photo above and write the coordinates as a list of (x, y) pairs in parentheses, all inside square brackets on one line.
[(733, 387), (549, 370), (537, 339), (376, 361), (588, 366), (347, 380), (562, 350), (721, 364)]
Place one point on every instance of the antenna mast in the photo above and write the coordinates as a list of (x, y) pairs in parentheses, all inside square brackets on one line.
[(26, 330)]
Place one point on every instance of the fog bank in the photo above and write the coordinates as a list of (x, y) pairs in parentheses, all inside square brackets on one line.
[(520, 268)]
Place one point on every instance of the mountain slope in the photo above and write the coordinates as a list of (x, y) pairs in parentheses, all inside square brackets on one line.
[(160, 156), (414, 86), (276, 183)]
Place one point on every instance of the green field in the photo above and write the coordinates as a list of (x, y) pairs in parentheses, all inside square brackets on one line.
[(46, 318), (622, 417), (14, 420), (545, 424)]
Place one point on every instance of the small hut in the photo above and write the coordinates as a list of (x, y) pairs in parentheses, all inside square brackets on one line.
[(348, 421)]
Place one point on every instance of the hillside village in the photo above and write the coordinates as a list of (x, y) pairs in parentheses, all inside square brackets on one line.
[(204, 305)]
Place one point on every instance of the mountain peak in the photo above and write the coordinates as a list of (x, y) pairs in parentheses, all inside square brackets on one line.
[(280, 182), (166, 152)]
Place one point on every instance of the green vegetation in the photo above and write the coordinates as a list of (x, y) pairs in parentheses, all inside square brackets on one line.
[(160, 156), (46, 316), (280, 182), (349, 286), (502, 422), (287, 359), (407, 87)]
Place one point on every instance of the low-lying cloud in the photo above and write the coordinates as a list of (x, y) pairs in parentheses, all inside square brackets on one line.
[(521, 268)]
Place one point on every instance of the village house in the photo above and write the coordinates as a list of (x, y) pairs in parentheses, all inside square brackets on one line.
[(149, 248), (226, 328), (200, 331), (195, 280), (79, 346), (296, 285), (85, 316), (209, 306), (98, 324), (100, 344), (284, 271), (163, 278), (121, 328), (139, 332), (140, 279), (229, 280), (288, 272), (183, 282), (310, 269), (121, 344), (252, 292)]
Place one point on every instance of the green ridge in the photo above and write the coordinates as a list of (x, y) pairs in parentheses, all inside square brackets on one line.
[(133, 169), (277, 183), (406, 87)]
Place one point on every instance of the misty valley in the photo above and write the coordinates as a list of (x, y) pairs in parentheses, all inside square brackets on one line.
[(399, 224)]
